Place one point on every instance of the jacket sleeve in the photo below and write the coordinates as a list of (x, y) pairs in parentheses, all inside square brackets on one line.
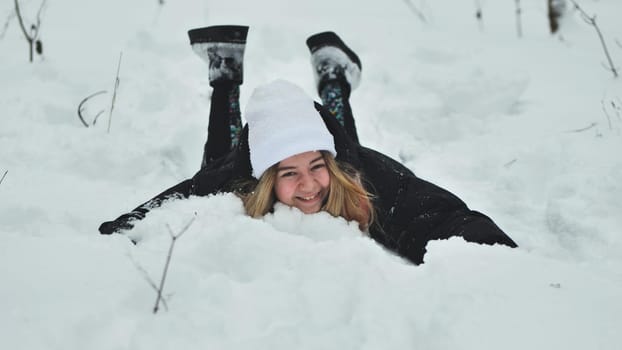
[(209, 180), (427, 212), (218, 176), (125, 221), (411, 211)]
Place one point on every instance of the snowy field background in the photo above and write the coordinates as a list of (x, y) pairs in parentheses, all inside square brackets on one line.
[(470, 107)]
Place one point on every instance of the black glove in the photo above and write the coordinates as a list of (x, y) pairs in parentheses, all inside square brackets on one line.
[(123, 222)]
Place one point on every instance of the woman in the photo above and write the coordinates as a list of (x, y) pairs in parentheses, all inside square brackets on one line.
[(287, 154), (292, 156)]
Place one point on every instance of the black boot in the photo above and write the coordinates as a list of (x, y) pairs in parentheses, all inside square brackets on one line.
[(222, 47), (332, 60)]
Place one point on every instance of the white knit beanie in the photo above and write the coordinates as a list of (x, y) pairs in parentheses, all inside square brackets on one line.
[(282, 122)]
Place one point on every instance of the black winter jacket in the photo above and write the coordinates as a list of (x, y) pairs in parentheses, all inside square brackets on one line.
[(409, 211)]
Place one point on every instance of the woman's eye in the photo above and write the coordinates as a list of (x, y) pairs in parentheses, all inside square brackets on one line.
[(288, 174), (318, 166)]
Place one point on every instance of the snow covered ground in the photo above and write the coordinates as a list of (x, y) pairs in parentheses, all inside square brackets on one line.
[(528, 131)]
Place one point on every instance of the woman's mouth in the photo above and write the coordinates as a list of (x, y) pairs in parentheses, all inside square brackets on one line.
[(309, 198), (309, 204)]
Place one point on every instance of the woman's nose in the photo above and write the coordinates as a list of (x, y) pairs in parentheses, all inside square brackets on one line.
[(306, 181)]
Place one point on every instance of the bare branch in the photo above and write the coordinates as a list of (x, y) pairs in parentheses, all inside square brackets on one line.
[(616, 108), (97, 116), (34, 28), (114, 94), (415, 10), (83, 102), (183, 230), (519, 27), (174, 238), (479, 14), (611, 67), (584, 15), (585, 128), (602, 103), (146, 277), (510, 163), (21, 20), (40, 10), (9, 18), (39, 19), (592, 21), (3, 176)]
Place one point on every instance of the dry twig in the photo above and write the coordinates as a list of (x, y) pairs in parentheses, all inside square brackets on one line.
[(114, 93), (479, 15), (9, 18), (617, 109), (585, 128), (146, 277), (415, 10), (519, 26), (592, 21), (33, 37), (510, 163), (174, 238), (83, 102), (3, 176)]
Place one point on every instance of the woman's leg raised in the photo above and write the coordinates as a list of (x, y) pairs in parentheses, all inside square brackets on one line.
[(222, 47), (337, 71), (225, 124)]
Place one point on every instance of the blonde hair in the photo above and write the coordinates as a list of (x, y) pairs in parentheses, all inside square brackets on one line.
[(346, 197)]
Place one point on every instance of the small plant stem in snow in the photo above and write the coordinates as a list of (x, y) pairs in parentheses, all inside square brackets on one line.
[(6, 24), (585, 128), (592, 21), (519, 27), (3, 176), (114, 93), (174, 238), (617, 109), (415, 10), (606, 114), (145, 275), (479, 15), (509, 164), (83, 102), (31, 38)]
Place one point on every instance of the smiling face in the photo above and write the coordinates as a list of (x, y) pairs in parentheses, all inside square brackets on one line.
[(302, 181)]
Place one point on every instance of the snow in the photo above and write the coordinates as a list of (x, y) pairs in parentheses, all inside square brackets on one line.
[(471, 107)]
